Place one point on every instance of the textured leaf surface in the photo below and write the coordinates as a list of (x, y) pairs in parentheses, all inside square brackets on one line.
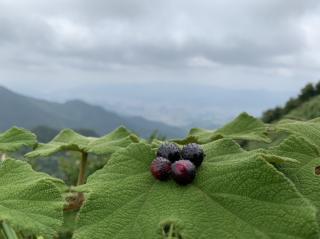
[(244, 127), (70, 140), (15, 138), (303, 174), (29, 201), (226, 149), (231, 197), (117, 139), (309, 130)]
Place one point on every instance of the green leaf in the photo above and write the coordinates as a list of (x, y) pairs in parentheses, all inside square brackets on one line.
[(226, 149), (244, 127), (303, 174), (70, 140), (16, 138), (310, 130), (29, 201), (233, 197), (117, 139), (67, 139)]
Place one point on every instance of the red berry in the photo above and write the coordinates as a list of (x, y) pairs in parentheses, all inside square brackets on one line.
[(183, 171), (161, 168)]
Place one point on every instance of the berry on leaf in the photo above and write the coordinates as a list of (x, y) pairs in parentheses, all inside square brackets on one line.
[(161, 168), (183, 171), (194, 153), (169, 151)]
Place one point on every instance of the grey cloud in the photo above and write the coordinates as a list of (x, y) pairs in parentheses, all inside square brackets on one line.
[(132, 54), (91, 35)]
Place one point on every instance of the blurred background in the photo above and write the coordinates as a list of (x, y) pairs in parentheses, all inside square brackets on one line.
[(158, 67)]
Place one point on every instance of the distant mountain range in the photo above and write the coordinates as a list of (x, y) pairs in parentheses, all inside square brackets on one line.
[(28, 112)]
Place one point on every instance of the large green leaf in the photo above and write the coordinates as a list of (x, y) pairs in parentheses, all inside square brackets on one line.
[(303, 174), (244, 127), (70, 140), (117, 139), (29, 201), (233, 197), (16, 138)]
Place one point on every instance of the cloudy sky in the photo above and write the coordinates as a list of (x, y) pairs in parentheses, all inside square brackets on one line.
[(177, 61)]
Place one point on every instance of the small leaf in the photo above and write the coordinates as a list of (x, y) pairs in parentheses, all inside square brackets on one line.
[(244, 127), (67, 139), (231, 198), (70, 140), (16, 138), (117, 139), (29, 201)]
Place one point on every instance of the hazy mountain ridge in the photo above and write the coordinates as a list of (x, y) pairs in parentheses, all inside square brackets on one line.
[(30, 112)]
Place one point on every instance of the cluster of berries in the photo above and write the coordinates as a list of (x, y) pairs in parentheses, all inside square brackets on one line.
[(180, 164)]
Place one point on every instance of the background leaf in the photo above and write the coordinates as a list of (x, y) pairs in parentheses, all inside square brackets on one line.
[(16, 138), (67, 139), (117, 139), (70, 140), (29, 201), (244, 127)]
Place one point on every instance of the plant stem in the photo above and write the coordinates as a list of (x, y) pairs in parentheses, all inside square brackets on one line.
[(3, 157), (82, 170), (170, 236), (8, 231)]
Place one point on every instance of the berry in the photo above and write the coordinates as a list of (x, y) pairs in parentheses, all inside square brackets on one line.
[(161, 168), (194, 153), (169, 151), (183, 171)]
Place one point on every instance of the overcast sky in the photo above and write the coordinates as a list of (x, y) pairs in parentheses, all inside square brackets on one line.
[(65, 49)]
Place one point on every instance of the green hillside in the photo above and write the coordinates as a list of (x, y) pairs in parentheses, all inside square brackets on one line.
[(303, 107), (306, 111), (29, 113)]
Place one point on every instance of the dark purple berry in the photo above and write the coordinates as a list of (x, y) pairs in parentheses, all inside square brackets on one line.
[(161, 168), (194, 153), (183, 171), (169, 151)]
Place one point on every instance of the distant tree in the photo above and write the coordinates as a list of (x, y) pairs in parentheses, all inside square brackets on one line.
[(317, 88), (278, 113), (307, 92), (272, 115), (291, 104), (268, 116)]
